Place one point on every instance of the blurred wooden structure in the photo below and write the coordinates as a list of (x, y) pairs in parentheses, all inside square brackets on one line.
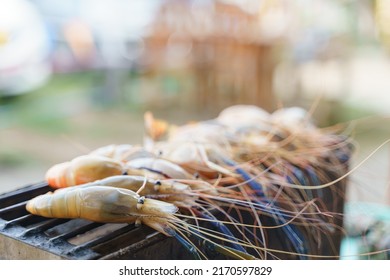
[(219, 47)]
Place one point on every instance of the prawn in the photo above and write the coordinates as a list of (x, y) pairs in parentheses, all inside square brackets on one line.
[(182, 195), (222, 151), (194, 157), (168, 190), (81, 170), (89, 168), (105, 204)]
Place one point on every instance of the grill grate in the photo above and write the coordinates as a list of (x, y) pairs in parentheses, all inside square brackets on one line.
[(26, 236)]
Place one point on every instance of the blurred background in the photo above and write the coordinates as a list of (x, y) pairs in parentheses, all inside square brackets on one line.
[(77, 75)]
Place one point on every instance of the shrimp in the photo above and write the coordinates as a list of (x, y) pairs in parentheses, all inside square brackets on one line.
[(88, 168), (180, 194), (242, 161), (82, 169), (239, 118), (105, 205), (194, 157), (167, 190)]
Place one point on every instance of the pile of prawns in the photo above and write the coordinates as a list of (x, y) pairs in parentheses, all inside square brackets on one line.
[(194, 180)]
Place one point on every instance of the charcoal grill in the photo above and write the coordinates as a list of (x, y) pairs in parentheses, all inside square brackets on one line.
[(25, 236)]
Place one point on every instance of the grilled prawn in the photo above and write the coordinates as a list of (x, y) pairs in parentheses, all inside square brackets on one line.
[(116, 205), (82, 169), (105, 205)]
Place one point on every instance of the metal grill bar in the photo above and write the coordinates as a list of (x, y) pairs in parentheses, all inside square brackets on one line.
[(104, 238), (23, 194), (40, 228), (25, 220), (75, 231), (13, 211)]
